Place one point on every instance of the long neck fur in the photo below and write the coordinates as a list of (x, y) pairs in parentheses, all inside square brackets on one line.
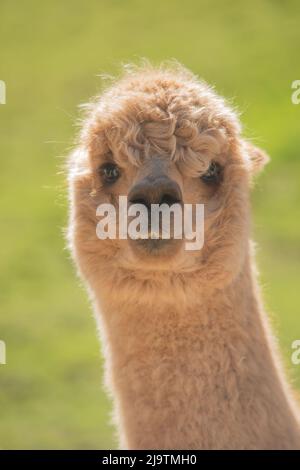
[(196, 372)]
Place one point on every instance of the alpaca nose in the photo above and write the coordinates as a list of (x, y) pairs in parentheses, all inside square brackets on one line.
[(155, 190)]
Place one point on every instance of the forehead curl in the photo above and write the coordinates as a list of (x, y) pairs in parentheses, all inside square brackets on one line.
[(159, 112)]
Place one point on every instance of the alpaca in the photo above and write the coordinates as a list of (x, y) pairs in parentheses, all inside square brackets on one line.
[(189, 357)]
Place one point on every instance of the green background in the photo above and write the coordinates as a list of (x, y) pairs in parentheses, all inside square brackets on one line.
[(51, 392)]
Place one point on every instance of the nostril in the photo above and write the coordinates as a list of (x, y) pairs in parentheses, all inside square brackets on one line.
[(165, 199), (140, 200), (169, 199)]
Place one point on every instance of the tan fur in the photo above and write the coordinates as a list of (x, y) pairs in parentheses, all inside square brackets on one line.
[(189, 356)]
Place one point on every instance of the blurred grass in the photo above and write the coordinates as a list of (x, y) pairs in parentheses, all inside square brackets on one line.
[(51, 393)]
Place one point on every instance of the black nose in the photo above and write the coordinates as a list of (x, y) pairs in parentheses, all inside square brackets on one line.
[(155, 190)]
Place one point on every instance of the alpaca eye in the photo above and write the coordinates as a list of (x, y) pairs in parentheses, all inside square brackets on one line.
[(110, 172), (213, 174)]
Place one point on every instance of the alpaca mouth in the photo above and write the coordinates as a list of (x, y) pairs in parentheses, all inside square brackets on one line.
[(156, 246)]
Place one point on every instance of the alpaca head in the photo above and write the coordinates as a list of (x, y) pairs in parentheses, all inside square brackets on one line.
[(155, 136)]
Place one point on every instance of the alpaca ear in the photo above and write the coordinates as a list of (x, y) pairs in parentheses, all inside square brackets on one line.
[(258, 158)]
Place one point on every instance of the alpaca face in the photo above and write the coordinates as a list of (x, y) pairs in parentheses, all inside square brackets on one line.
[(163, 137)]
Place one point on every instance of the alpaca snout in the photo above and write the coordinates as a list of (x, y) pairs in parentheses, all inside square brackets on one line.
[(155, 190)]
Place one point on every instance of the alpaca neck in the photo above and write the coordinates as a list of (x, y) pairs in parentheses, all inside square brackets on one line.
[(199, 374)]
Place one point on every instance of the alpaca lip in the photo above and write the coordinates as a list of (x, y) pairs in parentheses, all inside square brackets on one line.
[(155, 245), (153, 242), (151, 235)]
